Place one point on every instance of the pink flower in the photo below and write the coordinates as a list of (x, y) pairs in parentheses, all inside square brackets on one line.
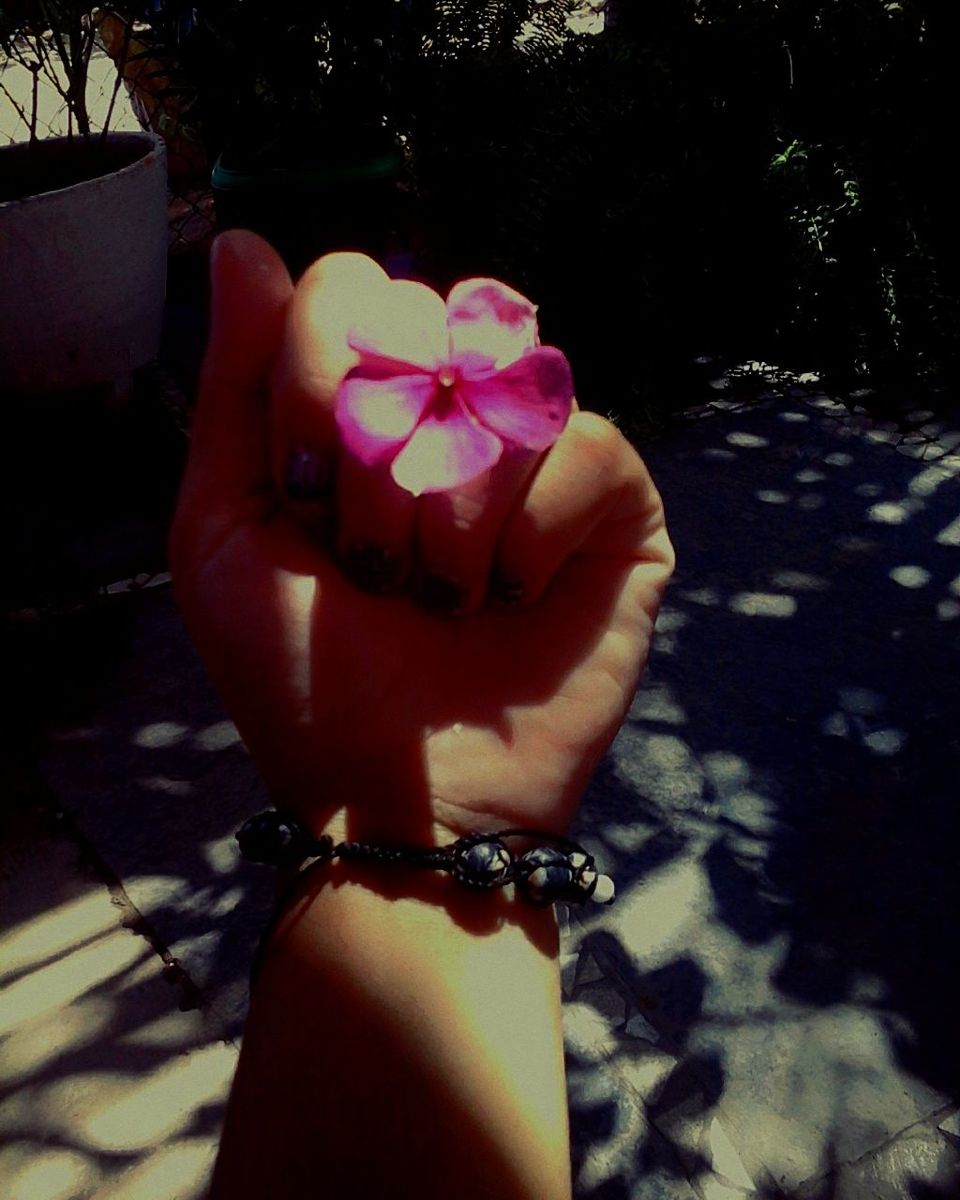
[(441, 390)]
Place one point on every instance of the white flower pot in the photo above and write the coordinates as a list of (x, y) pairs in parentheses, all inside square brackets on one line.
[(83, 269)]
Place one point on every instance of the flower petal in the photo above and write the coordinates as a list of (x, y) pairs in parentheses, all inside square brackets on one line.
[(405, 323), (488, 318), (528, 402), (377, 410), (445, 454)]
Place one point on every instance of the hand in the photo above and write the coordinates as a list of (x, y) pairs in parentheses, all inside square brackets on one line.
[(372, 715)]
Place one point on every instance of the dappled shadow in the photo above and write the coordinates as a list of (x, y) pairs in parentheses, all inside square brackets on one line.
[(104, 1070), (778, 813), (780, 806)]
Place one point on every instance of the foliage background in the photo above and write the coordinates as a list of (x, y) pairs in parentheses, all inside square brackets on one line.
[(740, 179)]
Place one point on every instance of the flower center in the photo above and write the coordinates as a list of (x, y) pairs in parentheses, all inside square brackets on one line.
[(444, 403)]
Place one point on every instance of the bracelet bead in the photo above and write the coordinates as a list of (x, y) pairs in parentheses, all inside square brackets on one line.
[(480, 861), (273, 839)]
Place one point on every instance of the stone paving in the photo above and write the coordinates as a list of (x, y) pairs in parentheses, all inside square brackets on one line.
[(767, 1009)]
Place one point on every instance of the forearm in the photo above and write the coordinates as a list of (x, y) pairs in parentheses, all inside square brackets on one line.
[(404, 1040)]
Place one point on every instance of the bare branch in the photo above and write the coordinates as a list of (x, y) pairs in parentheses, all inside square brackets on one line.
[(20, 112), (120, 63)]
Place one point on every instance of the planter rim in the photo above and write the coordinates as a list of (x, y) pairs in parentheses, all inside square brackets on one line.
[(151, 142)]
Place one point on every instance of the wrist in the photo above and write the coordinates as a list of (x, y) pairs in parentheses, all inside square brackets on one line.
[(401, 992), (408, 900), (482, 862)]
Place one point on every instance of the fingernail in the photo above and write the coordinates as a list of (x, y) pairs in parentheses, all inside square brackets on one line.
[(506, 591), (306, 476), (371, 568), (441, 595)]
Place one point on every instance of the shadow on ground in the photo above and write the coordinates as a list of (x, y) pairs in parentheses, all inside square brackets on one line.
[(768, 1003)]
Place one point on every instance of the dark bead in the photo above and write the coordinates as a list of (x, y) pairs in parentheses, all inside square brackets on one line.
[(481, 862), (546, 876), (271, 838), (543, 856)]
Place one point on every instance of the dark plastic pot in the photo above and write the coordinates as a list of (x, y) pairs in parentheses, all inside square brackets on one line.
[(349, 199)]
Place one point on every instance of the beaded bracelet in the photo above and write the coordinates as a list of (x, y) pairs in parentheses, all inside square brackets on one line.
[(480, 861)]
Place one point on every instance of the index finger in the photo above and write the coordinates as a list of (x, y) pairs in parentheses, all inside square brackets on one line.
[(336, 293), (228, 462)]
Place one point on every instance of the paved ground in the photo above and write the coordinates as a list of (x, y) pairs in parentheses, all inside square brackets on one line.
[(767, 1009)]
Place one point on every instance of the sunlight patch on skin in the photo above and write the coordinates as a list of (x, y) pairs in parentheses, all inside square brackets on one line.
[(911, 576), (762, 604), (299, 595)]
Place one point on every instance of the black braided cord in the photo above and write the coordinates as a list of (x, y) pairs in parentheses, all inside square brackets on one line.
[(301, 845)]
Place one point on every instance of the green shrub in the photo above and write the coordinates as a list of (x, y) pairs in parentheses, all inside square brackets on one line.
[(766, 179), (760, 179)]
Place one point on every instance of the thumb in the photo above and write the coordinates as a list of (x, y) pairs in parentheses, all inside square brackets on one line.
[(229, 453)]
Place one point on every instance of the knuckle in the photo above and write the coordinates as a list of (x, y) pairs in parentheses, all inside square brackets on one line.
[(595, 442), (342, 267)]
